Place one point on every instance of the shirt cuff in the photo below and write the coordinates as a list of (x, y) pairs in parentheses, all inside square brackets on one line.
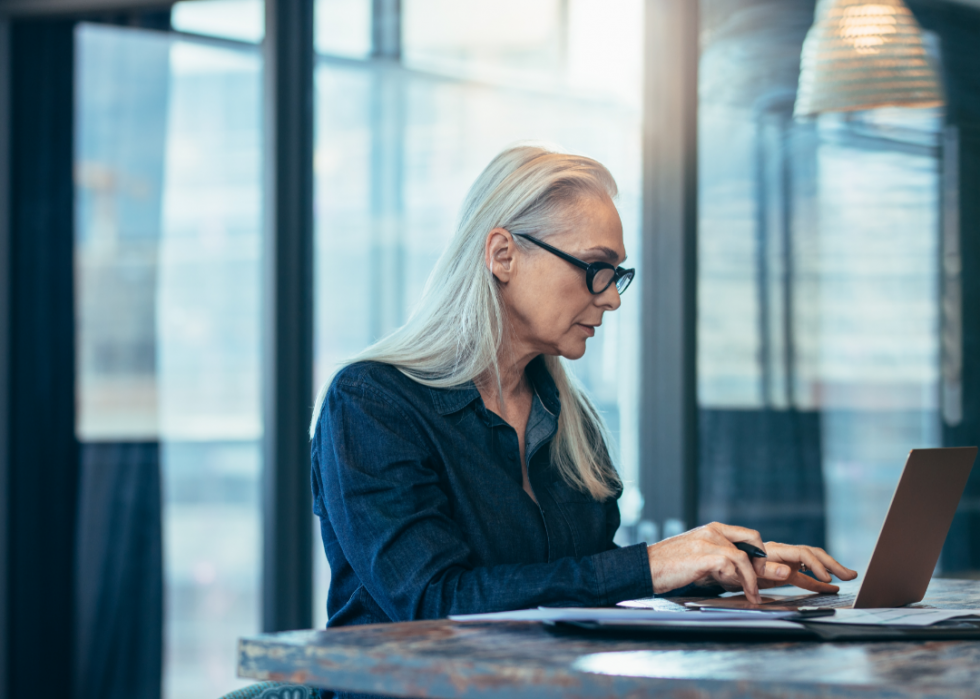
[(623, 574)]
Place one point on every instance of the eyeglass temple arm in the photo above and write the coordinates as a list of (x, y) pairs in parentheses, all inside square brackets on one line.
[(555, 251)]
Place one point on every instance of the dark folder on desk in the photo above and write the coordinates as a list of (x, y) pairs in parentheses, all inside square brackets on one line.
[(845, 625), (958, 629)]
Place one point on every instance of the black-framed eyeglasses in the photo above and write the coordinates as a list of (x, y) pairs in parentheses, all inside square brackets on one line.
[(598, 275)]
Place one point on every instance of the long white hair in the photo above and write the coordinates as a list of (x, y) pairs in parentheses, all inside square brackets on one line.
[(455, 333)]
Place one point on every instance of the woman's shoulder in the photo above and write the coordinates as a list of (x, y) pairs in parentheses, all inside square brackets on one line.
[(366, 374), (375, 390), (382, 381)]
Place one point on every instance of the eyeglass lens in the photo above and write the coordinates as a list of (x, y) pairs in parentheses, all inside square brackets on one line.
[(623, 282), (602, 279)]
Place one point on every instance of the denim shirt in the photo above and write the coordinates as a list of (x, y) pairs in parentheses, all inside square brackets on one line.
[(423, 513)]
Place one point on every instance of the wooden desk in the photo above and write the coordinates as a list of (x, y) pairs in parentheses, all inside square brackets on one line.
[(445, 659)]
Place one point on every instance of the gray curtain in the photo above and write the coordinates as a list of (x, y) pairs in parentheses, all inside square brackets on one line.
[(762, 469), (119, 588)]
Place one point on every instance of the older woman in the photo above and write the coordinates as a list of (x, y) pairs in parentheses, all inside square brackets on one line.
[(459, 467)]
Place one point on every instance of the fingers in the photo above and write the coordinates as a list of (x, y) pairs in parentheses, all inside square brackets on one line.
[(832, 565), (814, 564), (776, 571), (733, 569), (734, 534), (808, 583), (815, 558), (749, 580), (709, 552), (775, 575)]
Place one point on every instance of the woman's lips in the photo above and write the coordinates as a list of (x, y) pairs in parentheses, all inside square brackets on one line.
[(589, 329)]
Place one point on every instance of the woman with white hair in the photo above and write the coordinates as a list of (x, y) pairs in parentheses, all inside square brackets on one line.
[(459, 467)]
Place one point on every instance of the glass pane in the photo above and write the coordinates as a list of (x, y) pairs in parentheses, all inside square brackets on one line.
[(507, 39), (343, 28), (605, 48), (818, 310), (569, 45), (395, 155), (120, 140), (242, 20), (168, 178), (878, 347)]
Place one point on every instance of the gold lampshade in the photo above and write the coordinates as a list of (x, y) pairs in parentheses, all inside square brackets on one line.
[(863, 55)]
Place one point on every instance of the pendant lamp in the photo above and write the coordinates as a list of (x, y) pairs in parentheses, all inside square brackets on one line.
[(863, 55)]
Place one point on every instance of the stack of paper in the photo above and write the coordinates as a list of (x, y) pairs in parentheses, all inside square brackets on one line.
[(648, 619), (736, 620), (903, 616)]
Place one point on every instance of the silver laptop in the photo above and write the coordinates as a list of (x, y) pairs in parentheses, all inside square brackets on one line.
[(910, 540)]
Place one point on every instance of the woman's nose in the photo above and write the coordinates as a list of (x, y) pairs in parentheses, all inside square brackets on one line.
[(610, 298)]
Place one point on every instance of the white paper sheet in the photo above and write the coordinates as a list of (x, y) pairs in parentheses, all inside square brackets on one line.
[(660, 604), (903, 616)]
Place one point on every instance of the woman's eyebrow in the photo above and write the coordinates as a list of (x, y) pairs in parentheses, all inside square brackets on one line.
[(608, 254)]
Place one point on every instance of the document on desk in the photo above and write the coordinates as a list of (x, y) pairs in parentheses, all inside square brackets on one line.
[(645, 617), (905, 616), (902, 616)]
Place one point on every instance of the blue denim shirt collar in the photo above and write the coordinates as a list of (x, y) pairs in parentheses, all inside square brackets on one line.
[(450, 400)]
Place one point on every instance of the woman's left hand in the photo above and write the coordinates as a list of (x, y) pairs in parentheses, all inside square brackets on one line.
[(783, 556)]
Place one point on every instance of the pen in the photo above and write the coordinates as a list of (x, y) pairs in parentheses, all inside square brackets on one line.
[(753, 551)]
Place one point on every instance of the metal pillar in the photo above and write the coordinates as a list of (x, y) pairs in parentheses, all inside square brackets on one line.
[(668, 407), (287, 590)]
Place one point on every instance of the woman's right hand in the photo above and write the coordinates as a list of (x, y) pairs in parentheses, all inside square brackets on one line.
[(708, 554)]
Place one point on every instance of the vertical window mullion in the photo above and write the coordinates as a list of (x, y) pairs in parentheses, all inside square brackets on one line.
[(288, 314), (668, 404)]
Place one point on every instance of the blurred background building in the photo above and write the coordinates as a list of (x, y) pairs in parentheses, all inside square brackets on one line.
[(812, 280)]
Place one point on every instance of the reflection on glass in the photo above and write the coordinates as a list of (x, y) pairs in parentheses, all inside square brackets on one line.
[(121, 107), (396, 151), (877, 351), (342, 27), (168, 256), (818, 305), (242, 20), (507, 39), (590, 46)]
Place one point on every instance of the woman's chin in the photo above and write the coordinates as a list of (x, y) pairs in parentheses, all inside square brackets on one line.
[(573, 351)]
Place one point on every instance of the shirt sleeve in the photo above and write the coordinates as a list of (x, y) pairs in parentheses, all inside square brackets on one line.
[(691, 590), (391, 516)]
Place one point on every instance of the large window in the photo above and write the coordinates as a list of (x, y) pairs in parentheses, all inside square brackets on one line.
[(398, 142), (818, 307), (168, 242)]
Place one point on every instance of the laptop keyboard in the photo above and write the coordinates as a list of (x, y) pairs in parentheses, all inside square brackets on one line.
[(828, 601)]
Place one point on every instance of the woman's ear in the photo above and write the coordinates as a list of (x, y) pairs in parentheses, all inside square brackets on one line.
[(500, 254)]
